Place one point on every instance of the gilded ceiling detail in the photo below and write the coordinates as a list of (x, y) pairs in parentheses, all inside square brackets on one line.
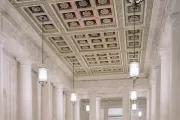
[(97, 35)]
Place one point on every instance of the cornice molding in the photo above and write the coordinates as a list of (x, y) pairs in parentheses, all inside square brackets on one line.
[(114, 95), (105, 77)]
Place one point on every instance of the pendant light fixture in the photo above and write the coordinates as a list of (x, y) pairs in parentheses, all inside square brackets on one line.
[(87, 108), (140, 114), (134, 107), (42, 72), (133, 96), (134, 66), (73, 94)]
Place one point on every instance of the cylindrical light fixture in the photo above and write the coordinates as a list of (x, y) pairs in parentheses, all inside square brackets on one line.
[(87, 108), (134, 70), (133, 95), (140, 114), (73, 97), (134, 107), (42, 75)]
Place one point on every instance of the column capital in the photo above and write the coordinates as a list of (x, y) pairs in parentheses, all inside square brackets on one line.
[(98, 98), (106, 104), (93, 92), (153, 82), (174, 19), (126, 92), (68, 93), (164, 52), (158, 68), (24, 61), (78, 97), (58, 86), (152, 77)]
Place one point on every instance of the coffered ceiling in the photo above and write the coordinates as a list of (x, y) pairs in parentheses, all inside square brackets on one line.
[(97, 35)]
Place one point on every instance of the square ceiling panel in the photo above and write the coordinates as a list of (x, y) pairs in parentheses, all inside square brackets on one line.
[(60, 43), (130, 37), (39, 17), (133, 57), (110, 58), (83, 14), (96, 35), (97, 41), (129, 13), (107, 70)]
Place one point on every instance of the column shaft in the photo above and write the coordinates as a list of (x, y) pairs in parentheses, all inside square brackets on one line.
[(59, 111), (46, 103), (92, 115), (153, 101), (25, 91), (77, 110), (126, 106), (98, 108), (64, 103), (106, 113), (165, 84), (158, 82), (148, 105), (1, 83), (175, 68), (69, 114)]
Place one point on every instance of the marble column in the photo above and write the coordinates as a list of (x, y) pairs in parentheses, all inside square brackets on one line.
[(126, 106), (152, 103), (153, 100), (98, 108), (59, 106), (1, 80), (46, 103), (106, 112), (85, 113), (148, 108), (64, 103), (158, 83), (175, 68), (25, 90), (92, 114), (69, 107), (77, 109), (165, 84)]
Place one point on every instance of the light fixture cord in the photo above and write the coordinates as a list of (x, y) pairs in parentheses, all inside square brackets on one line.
[(134, 6), (1, 21), (42, 40), (134, 81), (73, 75)]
